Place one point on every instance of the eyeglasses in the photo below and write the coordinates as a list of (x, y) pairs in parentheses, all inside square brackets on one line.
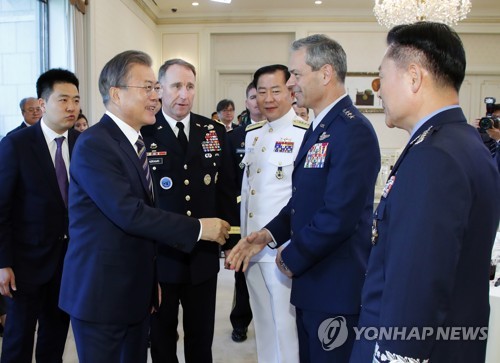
[(149, 89), (33, 109), (228, 110)]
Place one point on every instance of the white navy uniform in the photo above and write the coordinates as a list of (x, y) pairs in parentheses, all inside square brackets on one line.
[(270, 150)]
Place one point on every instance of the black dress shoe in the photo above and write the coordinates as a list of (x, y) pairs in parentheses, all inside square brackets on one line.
[(239, 335)]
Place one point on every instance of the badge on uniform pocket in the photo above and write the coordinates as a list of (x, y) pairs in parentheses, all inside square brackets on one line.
[(166, 183)]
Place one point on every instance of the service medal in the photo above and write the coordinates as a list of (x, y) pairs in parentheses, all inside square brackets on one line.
[(279, 173)]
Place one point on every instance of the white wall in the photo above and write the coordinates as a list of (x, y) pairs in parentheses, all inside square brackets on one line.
[(115, 26), (222, 51)]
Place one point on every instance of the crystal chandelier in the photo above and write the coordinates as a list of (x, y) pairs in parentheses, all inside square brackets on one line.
[(397, 12)]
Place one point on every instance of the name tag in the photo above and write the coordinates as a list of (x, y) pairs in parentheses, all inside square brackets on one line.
[(155, 161)]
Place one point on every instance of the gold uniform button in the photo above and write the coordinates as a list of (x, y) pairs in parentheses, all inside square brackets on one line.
[(154, 167), (263, 148), (186, 182), (188, 213), (185, 167), (253, 192), (293, 211), (270, 129), (188, 198), (215, 164), (250, 215), (259, 170)]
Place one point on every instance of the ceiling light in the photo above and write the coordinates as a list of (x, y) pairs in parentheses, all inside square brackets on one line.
[(318, 2), (222, 1), (195, 4), (397, 12)]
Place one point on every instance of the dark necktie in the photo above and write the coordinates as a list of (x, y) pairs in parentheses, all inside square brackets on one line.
[(61, 173), (141, 152), (181, 136)]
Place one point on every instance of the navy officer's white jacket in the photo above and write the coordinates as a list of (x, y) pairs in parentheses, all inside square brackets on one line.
[(270, 150)]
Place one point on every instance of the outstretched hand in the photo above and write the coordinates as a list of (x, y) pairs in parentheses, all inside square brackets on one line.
[(247, 247)]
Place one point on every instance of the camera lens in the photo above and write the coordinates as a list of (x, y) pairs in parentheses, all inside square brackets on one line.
[(486, 123)]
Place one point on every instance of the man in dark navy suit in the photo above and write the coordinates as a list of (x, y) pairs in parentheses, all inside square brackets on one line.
[(241, 313), (108, 284), (328, 217), (192, 176), (32, 112), (34, 222), (436, 222)]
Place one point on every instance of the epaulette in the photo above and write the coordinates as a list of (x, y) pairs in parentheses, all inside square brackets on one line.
[(298, 122), (219, 122), (348, 113), (255, 126)]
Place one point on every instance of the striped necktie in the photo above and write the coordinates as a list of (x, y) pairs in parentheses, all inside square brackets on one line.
[(141, 152)]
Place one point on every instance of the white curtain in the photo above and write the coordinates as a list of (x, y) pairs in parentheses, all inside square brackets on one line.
[(80, 50)]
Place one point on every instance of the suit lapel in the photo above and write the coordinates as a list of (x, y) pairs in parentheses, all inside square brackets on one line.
[(432, 125), (127, 149), (196, 136), (42, 153)]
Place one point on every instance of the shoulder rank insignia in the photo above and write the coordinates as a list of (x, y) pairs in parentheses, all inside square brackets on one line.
[(219, 122), (255, 126), (422, 136), (348, 113), (298, 122)]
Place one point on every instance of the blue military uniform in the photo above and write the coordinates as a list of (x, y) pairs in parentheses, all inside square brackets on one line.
[(433, 232), (328, 219)]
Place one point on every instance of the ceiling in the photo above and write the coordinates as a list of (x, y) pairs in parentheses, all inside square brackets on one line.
[(162, 11)]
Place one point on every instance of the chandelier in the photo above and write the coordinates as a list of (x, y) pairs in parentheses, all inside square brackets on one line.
[(397, 12)]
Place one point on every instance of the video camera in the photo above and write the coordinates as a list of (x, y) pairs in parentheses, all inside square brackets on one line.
[(489, 121)]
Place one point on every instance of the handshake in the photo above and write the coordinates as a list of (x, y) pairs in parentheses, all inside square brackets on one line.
[(215, 230)]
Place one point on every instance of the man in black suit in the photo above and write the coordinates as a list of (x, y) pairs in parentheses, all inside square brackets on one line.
[(108, 285), (31, 111), (192, 175), (241, 313), (34, 222)]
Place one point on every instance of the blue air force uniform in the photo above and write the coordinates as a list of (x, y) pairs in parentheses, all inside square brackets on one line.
[(328, 219), (433, 232)]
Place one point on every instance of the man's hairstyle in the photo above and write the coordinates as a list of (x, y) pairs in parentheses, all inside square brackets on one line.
[(171, 62), (496, 107), (436, 47), (321, 50), (116, 72), (270, 70), (46, 81), (250, 87), (223, 104), (23, 102)]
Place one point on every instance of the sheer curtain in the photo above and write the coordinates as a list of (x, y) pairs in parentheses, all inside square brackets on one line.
[(80, 48)]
